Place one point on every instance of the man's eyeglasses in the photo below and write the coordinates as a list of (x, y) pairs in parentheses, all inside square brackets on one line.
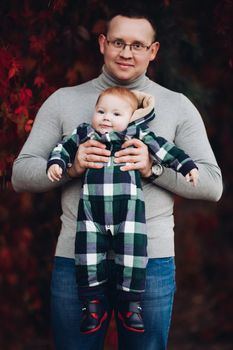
[(136, 47)]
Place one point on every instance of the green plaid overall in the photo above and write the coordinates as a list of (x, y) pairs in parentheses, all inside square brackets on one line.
[(111, 211)]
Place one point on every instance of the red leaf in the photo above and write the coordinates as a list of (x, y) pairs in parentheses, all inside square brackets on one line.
[(21, 110), (14, 70), (59, 5), (25, 95), (28, 125), (36, 44), (39, 81)]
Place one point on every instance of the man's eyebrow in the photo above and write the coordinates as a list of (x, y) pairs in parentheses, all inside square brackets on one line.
[(133, 42), (117, 38)]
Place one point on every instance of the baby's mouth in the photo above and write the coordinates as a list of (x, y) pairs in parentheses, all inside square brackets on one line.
[(104, 126)]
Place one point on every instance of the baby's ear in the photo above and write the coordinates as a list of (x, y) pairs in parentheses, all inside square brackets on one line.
[(146, 104)]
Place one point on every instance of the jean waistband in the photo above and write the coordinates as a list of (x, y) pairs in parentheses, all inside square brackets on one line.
[(63, 262)]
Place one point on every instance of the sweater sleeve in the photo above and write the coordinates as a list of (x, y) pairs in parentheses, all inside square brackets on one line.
[(167, 154), (191, 136), (29, 169)]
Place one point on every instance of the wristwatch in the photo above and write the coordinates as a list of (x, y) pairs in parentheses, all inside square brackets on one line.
[(157, 170)]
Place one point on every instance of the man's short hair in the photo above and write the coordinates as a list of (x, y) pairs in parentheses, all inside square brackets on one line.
[(137, 11)]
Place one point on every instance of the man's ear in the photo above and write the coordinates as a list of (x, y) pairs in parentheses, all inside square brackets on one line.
[(154, 50), (101, 40)]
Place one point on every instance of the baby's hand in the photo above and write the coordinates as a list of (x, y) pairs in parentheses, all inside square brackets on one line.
[(192, 176), (54, 173)]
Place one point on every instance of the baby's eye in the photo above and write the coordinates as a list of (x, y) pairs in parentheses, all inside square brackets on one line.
[(116, 114), (100, 111)]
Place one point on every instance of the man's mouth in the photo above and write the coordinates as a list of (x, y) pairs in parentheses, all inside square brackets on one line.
[(124, 64)]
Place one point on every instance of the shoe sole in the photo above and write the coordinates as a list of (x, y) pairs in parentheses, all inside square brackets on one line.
[(99, 326), (129, 328)]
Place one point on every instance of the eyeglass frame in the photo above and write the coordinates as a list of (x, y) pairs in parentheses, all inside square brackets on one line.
[(130, 45)]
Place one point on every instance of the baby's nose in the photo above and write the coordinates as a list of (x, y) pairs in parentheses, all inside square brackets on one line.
[(107, 116)]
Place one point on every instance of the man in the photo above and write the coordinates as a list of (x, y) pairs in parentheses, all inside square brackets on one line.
[(128, 47)]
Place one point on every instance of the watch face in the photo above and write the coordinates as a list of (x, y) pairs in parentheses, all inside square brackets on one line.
[(157, 169)]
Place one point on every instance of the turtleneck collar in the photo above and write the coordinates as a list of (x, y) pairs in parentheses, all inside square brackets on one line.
[(105, 80)]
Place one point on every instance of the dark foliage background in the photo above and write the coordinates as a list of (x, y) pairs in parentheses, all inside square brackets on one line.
[(48, 44)]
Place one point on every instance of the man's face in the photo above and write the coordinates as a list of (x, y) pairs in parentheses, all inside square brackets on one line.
[(124, 64)]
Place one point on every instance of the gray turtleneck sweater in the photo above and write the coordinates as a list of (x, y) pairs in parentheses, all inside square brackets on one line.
[(177, 120)]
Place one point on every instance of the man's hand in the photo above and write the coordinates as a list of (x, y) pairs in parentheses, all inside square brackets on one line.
[(90, 154), (136, 157)]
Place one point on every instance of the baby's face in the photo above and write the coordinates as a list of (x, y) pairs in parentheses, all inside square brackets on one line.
[(112, 113)]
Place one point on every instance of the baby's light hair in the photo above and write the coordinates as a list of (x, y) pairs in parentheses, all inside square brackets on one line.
[(122, 93)]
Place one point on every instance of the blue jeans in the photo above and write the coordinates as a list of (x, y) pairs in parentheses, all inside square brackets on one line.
[(157, 308)]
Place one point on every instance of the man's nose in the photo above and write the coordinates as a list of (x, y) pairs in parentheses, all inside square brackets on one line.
[(126, 52)]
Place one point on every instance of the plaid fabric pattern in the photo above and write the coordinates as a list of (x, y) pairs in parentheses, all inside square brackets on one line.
[(166, 153), (111, 209), (160, 149), (118, 224), (110, 183)]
